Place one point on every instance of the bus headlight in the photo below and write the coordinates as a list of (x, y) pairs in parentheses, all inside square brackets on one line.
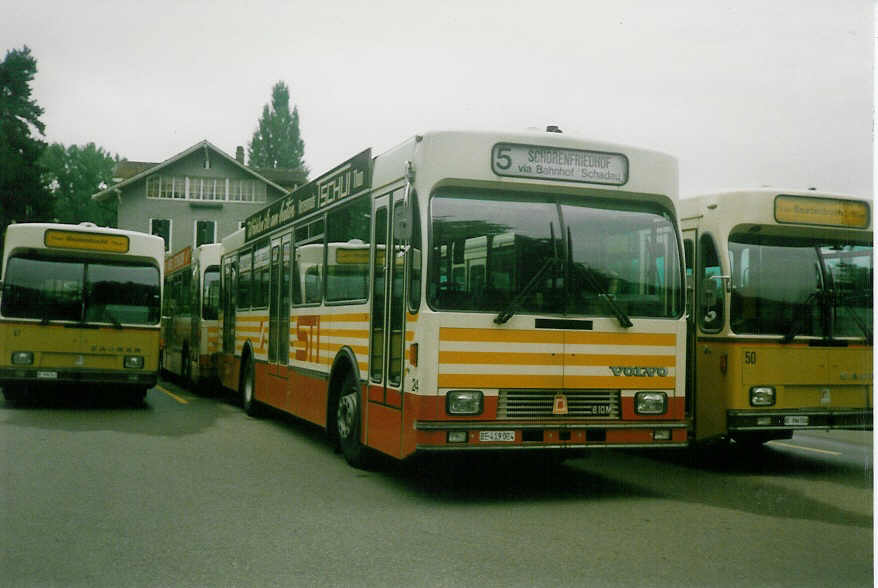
[(762, 396), (134, 362), (464, 402), (650, 402), (22, 357)]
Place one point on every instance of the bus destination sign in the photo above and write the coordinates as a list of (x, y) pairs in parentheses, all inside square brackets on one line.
[(555, 163), (178, 260), (831, 212), (342, 182), (87, 241)]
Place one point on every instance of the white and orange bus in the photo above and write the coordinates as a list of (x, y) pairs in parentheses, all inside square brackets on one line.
[(190, 331), (80, 304), (780, 291), (467, 291)]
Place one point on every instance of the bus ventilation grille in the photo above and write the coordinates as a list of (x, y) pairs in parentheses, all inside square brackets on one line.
[(532, 404)]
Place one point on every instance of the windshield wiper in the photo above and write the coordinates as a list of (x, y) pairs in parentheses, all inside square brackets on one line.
[(623, 318), (513, 305), (793, 331)]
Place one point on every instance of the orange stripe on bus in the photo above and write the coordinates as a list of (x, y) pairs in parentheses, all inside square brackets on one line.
[(621, 360), (482, 357), (551, 381), (346, 333), (347, 318)]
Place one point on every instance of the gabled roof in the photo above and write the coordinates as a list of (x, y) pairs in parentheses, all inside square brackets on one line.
[(125, 169), (109, 191)]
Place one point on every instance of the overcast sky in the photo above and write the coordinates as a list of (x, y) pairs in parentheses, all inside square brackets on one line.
[(745, 92)]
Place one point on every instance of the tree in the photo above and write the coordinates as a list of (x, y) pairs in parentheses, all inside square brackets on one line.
[(72, 175), (23, 197), (276, 143)]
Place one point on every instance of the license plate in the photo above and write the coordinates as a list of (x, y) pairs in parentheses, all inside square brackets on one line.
[(795, 420), (496, 435), (47, 375)]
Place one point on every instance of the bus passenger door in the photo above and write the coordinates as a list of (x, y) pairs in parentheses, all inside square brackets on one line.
[(228, 308), (383, 412), (690, 237), (279, 318)]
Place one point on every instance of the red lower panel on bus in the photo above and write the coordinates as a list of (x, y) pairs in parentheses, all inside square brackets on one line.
[(308, 397), (384, 429)]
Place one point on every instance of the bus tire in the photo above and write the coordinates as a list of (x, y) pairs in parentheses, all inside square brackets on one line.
[(348, 422), (137, 395), (248, 402), (185, 367)]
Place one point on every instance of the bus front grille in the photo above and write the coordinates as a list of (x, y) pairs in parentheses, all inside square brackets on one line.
[(532, 404)]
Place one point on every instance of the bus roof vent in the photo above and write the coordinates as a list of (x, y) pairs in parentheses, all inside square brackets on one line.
[(87, 224), (553, 129)]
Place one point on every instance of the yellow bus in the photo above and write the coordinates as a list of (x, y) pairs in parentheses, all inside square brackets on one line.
[(533, 299), (780, 291), (190, 334), (80, 304)]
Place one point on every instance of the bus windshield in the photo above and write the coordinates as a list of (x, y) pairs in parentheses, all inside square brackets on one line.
[(76, 290), (590, 258), (809, 287)]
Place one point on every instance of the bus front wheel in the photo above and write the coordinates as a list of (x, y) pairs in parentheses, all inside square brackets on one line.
[(248, 402), (347, 423)]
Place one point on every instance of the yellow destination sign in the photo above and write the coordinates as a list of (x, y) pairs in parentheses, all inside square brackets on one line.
[(821, 211), (88, 241), (357, 256)]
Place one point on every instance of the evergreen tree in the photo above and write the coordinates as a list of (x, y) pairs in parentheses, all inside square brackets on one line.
[(23, 197), (276, 143), (72, 175)]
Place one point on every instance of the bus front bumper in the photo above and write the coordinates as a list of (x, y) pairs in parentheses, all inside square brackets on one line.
[(68, 376), (788, 420), (492, 436)]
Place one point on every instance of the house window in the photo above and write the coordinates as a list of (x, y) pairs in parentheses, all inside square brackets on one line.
[(162, 228), (205, 232), (201, 188), (195, 188), (153, 186)]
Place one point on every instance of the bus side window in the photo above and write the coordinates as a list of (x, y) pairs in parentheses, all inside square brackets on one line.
[(312, 285), (711, 294)]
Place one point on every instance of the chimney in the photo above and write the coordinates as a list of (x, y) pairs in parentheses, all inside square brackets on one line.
[(239, 154)]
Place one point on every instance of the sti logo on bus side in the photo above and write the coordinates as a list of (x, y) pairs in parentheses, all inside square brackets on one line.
[(639, 372)]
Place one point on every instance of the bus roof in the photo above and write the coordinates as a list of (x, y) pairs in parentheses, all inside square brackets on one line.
[(468, 156), (773, 206), (49, 236), (449, 156), (789, 212)]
